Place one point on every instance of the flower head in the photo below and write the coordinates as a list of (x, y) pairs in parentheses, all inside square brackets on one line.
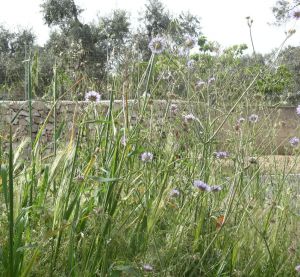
[(92, 96), (216, 188), (166, 75), (173, 108), (148, 267), (182, 52), (174, 193), (296, 14), (253, 118), (147, 157), (211, 80), (123, 140), (241, 120), (201, 185), (190, 64), (200, 84), (157, 45), (189, 42), (221, 154), (294, 141), (298, 110), (80, 178), (189, 118), (253, 160), (297, 268)]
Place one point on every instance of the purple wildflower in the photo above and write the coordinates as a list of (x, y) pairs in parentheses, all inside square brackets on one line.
[(215, 188), (298, 110), (253, 118), (123, 140), (241, 120), (205, 187), (92, 96), (253, 160), (189, 42), (148, 267), (221, 154), (174, 193), (182, 52), (173, 108), (201, 185), (190, 64), (189, 118), (167, 75), (80, 178), (200, 84), (297, 268), (294, 141), (211, 80), (147, 157), (296, 14), (157, 45)]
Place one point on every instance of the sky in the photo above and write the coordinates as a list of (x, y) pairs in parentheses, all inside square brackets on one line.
[(221, 21)]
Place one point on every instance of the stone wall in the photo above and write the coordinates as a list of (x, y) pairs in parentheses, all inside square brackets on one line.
[(17, 113), (281, 122)]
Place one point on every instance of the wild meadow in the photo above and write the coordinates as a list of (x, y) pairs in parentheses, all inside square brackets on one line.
[(181, 190)]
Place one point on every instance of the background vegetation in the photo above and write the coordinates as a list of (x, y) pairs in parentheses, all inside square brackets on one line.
[(90, 55)]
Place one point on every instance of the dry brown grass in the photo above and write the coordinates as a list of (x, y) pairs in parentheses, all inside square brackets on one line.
[(278, 163)]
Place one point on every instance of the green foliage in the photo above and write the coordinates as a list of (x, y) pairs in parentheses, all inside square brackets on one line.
[(14, 46), (285, 10), (156, 20), (60, 12), (274, 83), (207, 46)]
